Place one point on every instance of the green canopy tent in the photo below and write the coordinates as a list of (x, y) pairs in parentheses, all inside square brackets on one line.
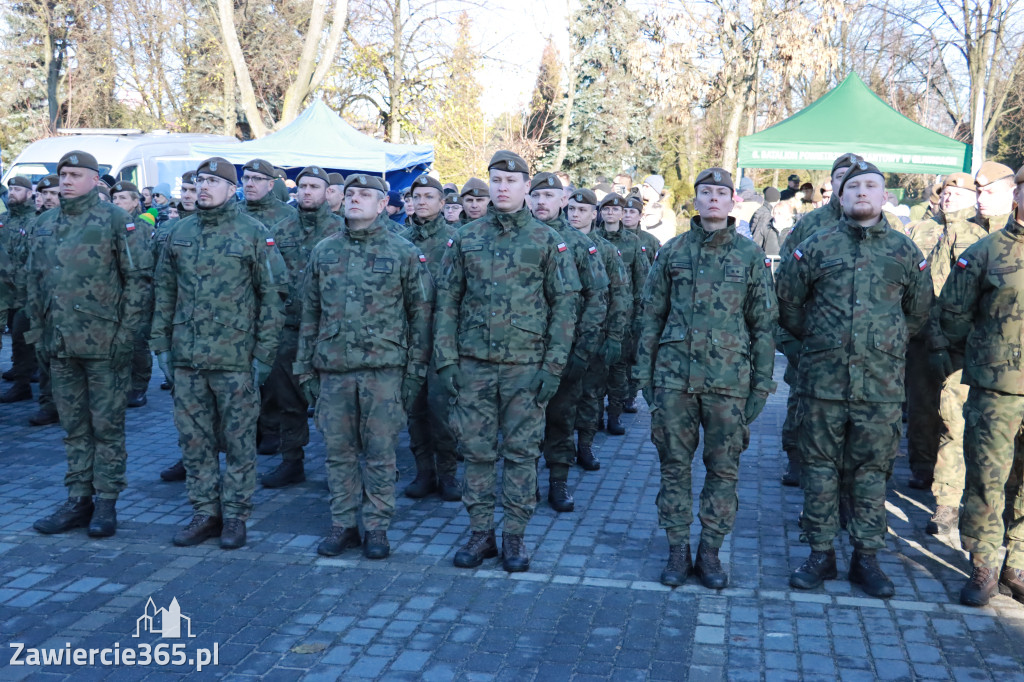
[(852, 118)]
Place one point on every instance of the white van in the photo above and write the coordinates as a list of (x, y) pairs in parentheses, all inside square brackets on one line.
[(145, 159)]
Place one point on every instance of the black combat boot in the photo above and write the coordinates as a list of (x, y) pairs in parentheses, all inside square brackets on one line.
[(559, 497), (288, 472), (865, 571), (104, 518), (792, 476), (339, 539), (74, 513), (981, 586), (137, 398), (709, 568), (233, 534), (199, 529), (615, 427), (482, 545), (16, 393), (819, 567), (375, 544), (173, 473), (630, 406), (920, 480), (44, 417), (585, 454), (514, 557), (450, 489), (1011, 583), (679, 566), (943, 521), (424, 484)]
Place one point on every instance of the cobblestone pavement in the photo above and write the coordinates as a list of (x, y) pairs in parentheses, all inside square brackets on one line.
[(591, 608)]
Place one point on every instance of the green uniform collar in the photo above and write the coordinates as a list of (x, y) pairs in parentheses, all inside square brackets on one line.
[(210, 217), (376, 227), (428, 228), (510, 221), (267, 201), (558, 223), (996, 222), (182, 213), (878, 229), (961, 216), (21, 210), (310, 219), (714, 237), (81, 204), (613, 236)]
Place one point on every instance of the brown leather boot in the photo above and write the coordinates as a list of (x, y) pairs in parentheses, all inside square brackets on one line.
[(482, 545), (200, 529)]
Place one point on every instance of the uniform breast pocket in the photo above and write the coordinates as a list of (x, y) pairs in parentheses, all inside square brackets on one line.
[(734, 274)]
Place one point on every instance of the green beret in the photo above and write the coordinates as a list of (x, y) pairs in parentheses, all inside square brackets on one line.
[(20, 181), (613, 199), (715, 176), (509, 162), (335, 179), (845, 161), (633, 201), (78, 159), (103, 189), (366, 181), (280, 174), (188, 178), (452, 199), (125, 186), (545, 180), (475, 187), (313, 172), (219, 167), (427, 181), (858, 168), (584, 196), (260, 166), (48, 182)]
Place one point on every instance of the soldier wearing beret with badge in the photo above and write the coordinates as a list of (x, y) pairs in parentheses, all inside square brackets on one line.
[(705, 359), (14, 230), (364, 346), (504, 324), (853, 295), (336, 193), (217, 320), (475, 199), (89, 272)]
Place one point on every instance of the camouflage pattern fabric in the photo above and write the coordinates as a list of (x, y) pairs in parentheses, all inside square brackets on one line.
[(14, 230), (948, 486), (360, 412), (269, 210), (923, 423), (649, 244), (214, 410), (296, 235), (90, 398), (497, 398), (676, 419)]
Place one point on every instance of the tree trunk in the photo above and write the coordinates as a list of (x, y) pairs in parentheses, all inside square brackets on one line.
[(230, 117), (226, 19), (310, 72), (395, 105), (563, 134)]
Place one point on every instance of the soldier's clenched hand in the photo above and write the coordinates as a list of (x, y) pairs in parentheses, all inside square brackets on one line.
[(575, 367), (310, 387), (545, 385), (452, 379), (612, 351), (755, 403)]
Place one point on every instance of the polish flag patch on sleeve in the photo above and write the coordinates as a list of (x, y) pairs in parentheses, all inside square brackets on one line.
[(449, 243), (423, 259), (767, 262), (962, 263), (923, 264), (129, 227), (270, 241), (592, 250), (798, 254), (644, 249), (562, 247)]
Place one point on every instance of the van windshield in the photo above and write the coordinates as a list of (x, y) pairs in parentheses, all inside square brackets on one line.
[(35, 171)]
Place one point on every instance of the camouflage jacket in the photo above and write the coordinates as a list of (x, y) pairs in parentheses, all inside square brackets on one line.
[(708, 316), (16, 226), (89, 272), (219, 288), (269, 210), (593, 298), (926, 234), (957, 232), (431, 238), (854, 296), (507, 294), (295, 238), (367, 304), (649, 244), (620, 294), (635, 259), (820, 218), (982, 310)]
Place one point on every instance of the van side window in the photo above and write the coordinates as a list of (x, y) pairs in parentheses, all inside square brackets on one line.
[(129, 174)]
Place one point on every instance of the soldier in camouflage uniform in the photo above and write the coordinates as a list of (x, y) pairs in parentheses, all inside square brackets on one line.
[(49, 190), (631, 214), (430, 436), (364, 346), (982, 315), (634, 257), (503, 330), (217, 321), (705, 360), (853, 295), (283, 407), (453, 212), (475, 199), (817, 220), (581, 213), (546, 201), (336, 193), (13, 230), (89, 272)]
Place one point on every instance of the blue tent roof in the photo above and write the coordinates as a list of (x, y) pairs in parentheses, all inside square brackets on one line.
[(320, 137)]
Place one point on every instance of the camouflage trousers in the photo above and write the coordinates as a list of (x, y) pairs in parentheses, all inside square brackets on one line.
[(46, 403), (217, 410), (497, 399), (23, 355), (789, 431), (90, 397), (848, 444), (923, 424), (590, 407), (430, 435), (360, 415), (993, 422), (283, 408), (560, 422), (618, 377), (142, 359), (676, 420), (948, 486)]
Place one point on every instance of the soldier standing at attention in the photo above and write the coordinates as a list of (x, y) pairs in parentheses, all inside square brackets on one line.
[(336, 193), (430, 436), (89, 272), (853, 295), (475, 199), (283, 407), (452, 210), (706, 355), (364, 346), (503, 330), (982, 315), (546, 200), (634, 257), (581, 212), (15, 229), (649, 246), (217, 322), (48, 189)]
